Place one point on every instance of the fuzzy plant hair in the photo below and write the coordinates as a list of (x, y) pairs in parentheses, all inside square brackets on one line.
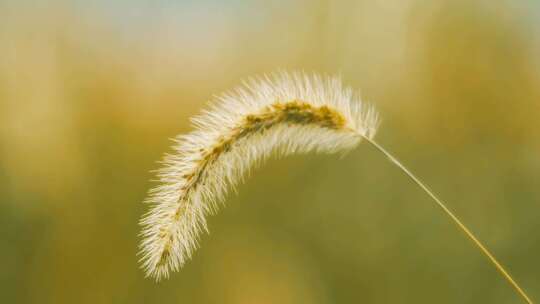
[(278, 115)]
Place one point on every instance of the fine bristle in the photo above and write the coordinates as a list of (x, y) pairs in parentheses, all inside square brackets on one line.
[(277, 115)]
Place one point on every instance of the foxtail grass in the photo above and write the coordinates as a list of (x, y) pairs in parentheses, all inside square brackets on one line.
[(278, 115)]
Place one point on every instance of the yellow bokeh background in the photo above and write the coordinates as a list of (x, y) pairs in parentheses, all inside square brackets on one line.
[(90, 92)]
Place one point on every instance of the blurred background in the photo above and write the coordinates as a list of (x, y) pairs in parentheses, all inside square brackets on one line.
[(90, 92)]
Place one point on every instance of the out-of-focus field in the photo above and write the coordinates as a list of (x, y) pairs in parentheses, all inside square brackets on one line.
[(90, 92)]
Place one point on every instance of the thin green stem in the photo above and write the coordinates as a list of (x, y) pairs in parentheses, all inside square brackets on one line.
[(461, 226)]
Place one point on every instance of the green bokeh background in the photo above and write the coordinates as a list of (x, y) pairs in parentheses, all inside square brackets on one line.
[(90, 92)]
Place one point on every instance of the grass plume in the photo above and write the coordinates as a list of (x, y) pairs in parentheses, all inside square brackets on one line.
[(282, 114)]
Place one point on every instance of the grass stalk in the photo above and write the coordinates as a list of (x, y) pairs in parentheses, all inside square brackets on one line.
[(455, 219)]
